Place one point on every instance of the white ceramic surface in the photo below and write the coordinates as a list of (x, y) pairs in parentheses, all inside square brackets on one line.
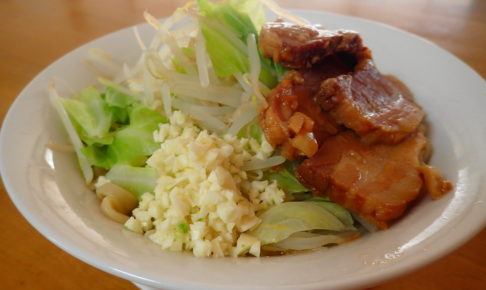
[(48, 190)]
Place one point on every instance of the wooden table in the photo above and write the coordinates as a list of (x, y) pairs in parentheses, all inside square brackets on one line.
[(35, 33)]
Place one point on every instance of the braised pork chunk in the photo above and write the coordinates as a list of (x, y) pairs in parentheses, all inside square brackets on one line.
[(293, 120), (299, 46), (375, 107), (376, 181), (356, 129)]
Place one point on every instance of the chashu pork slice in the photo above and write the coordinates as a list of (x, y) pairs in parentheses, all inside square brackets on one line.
[(378, 108), (301, 46), (377, 181)]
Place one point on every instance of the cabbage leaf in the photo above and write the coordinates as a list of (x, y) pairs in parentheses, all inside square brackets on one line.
[(285, 219), (225, 28), (90, 115), (115, 127), (133, 143), (137, 180), (287, 181)]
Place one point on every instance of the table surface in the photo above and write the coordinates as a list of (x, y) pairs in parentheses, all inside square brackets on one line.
[(35, 33)]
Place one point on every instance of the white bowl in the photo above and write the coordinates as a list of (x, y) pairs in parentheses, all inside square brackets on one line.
[(47, 187)]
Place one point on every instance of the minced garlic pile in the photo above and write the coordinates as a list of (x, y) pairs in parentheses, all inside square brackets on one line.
[(204, 201)]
